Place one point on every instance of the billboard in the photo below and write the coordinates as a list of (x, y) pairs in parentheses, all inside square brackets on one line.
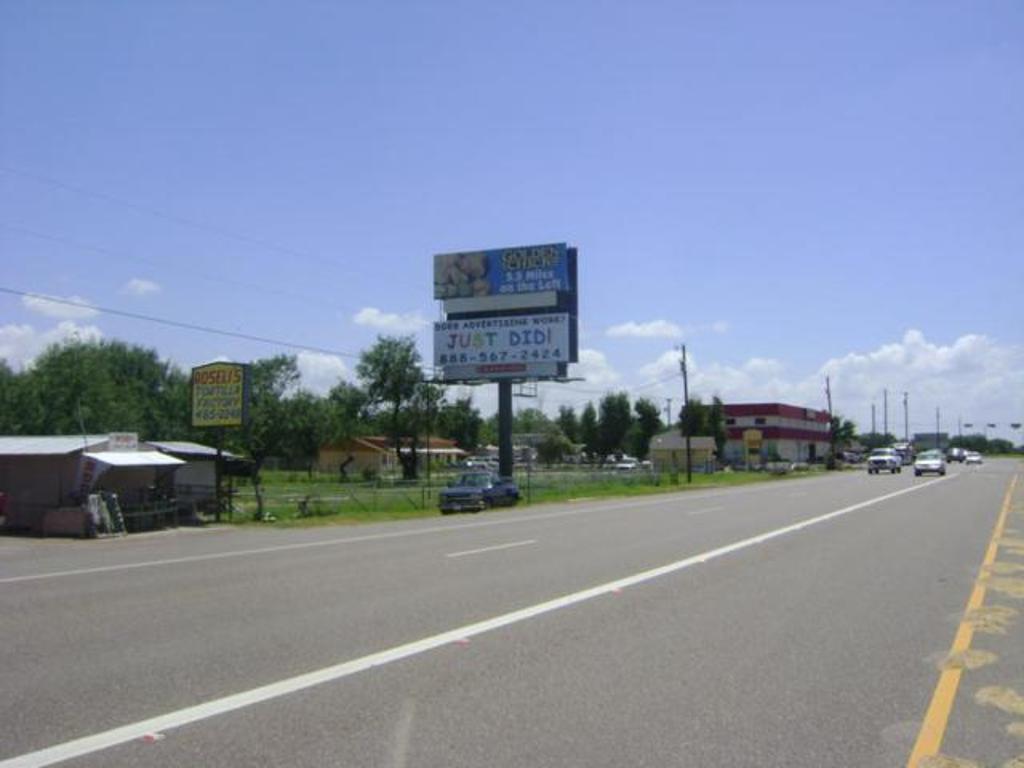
[(502, 272), (521, 346), (220, 395)]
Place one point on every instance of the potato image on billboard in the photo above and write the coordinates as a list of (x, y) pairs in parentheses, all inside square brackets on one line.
[(461, 275)]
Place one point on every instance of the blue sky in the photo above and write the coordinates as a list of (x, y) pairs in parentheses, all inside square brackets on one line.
[(793, 189)]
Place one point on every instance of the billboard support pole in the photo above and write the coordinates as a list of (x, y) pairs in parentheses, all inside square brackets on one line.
[(505, 458)]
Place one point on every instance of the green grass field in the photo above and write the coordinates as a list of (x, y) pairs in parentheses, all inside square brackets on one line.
[(296, 499)]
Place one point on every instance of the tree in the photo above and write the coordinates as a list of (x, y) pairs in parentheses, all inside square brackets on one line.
[(588, 430), (390, 373), (461, 422), (693, 418), (614, 423), (716, 425), (553, 446), (646, 426), (346, 411), (265, 434), (568, 423), (104, 386), (530, 421), (305, 429)]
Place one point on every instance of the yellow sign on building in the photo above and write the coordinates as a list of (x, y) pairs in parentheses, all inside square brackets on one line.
[(220, 395)]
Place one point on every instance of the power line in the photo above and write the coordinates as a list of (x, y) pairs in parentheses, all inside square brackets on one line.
[(154, 262), (157, 213), (179, 324)]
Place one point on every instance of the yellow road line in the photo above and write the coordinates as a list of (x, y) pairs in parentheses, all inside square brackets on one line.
[(929, 739)]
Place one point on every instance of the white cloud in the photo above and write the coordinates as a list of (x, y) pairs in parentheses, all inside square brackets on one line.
[(320, 371), (387, 321), (655, 329), (21, 344), (54, 306), (973, 377), (139, 286), (665, 329), (593, 366)]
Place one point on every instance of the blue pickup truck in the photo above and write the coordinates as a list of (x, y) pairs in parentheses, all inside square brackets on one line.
[(475, 491)]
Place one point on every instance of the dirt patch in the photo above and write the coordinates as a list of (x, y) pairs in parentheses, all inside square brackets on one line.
[(1004, 569), (1016, 762), (969, 659), (1004, 699), (1016, 729), (1005, 585), (991, 619)]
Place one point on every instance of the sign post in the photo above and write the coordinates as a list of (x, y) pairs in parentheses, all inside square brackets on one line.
[(220, 399)]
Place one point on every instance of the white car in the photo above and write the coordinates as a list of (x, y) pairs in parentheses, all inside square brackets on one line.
[(973, 457), (884, 460), (930, 461)]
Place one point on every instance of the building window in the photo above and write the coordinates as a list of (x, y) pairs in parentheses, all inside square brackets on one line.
[(730, 422), (760, 421)]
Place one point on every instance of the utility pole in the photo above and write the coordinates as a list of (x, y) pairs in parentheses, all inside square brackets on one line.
[(874, 429), (686, 415), (885, 412), (936, 427), (906, 420), (831, 426)]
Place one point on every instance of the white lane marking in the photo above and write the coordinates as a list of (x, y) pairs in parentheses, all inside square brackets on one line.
[(161, 724), (495, 548), (656, 500), (704, 511), (798, 495)]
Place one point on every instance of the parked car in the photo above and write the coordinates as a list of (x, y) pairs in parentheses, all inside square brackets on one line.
[(475, 491), (884, 460), (973, 457), (930, 461)]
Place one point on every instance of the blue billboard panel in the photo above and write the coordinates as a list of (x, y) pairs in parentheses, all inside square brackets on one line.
[(502, 272)]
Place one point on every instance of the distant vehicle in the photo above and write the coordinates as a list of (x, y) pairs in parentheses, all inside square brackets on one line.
[(930, 461), (973, 457), (476, 491), (956, 454), (884, 460), (905, 452), (626, 465)]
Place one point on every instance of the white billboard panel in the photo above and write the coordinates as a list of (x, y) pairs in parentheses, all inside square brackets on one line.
[(502, 347)]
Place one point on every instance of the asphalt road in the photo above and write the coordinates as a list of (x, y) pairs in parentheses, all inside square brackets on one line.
[(798, 623)]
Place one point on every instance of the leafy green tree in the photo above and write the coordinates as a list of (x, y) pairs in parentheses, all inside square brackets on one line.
[(461, 422), (101, 387), (716, 425), (568, 422), (553, 446), (346, 412), (306, 427), (391, 376), (530, 421), (645, 427), (589, 434), (694, 418), (872, 440), (615, 420)]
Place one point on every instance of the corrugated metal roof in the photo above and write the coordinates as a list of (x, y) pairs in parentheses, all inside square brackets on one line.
[(185, 448), (135, 459), (49, 445)]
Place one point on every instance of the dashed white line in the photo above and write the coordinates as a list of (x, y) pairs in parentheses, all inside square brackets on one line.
[(495, 548), (704, 511)]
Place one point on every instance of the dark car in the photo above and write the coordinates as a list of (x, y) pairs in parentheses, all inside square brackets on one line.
[(474, 491)]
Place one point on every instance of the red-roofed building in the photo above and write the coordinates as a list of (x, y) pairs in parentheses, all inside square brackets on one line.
[(789, 432)]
